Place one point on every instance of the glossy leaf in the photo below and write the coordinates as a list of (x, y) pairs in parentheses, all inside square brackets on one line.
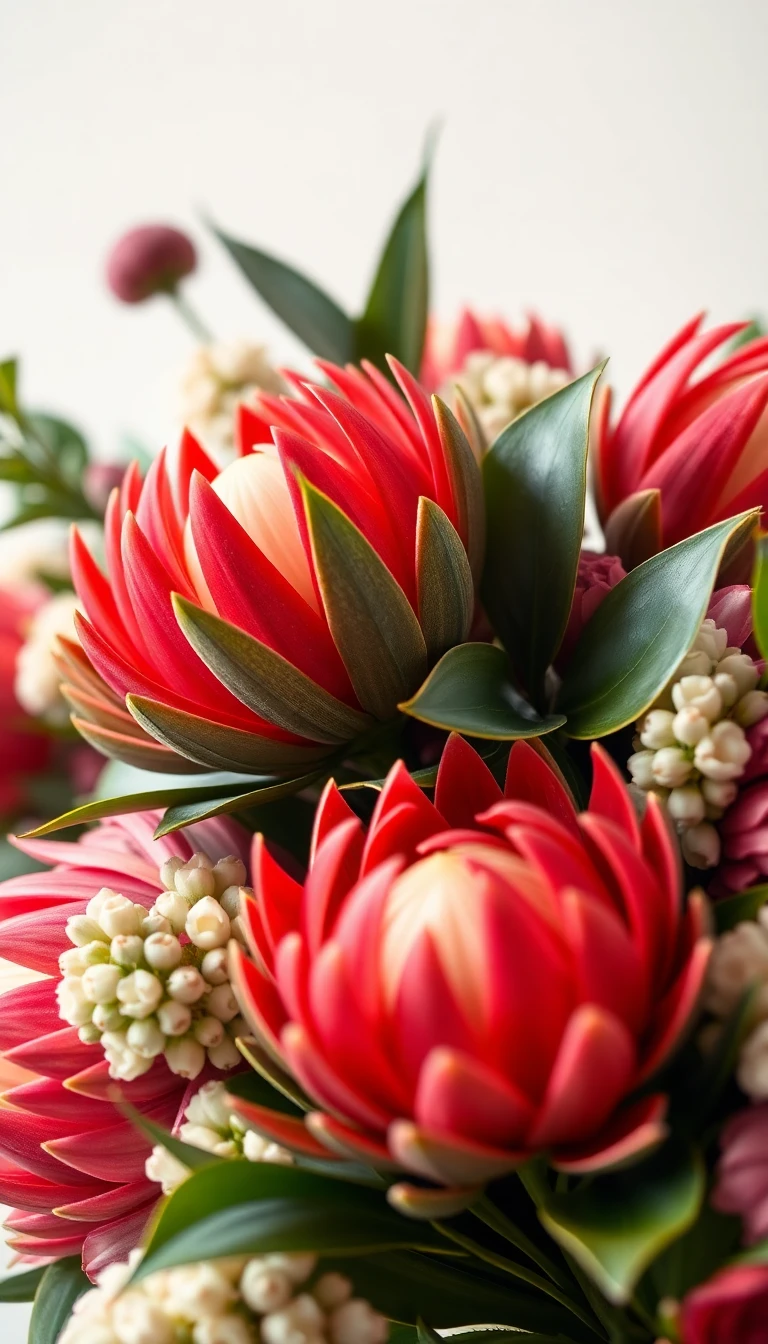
[(61, 1285), (733, 910), (470, 692), (206, 742), (264, 681), (65, 443), (395, 318), (535, 485), (302, 305), (186, 814), (446, 593), (21, 1287), (639, 633), (371, 620), (760, 594), (615, 1225), (466, 483), (221, 786)]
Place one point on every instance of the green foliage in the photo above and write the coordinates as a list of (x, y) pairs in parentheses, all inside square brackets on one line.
[(733, 910), (470, 691), (60, 1286), (21, 1287)]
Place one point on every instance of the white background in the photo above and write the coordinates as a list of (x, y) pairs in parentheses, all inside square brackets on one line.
[(601, 161)]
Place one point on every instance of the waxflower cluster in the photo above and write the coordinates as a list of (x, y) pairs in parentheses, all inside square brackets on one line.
[(218, 376), (146, 983), (500, 388), (740, 963), (209, 1124), (692, 747), (240, 1300)]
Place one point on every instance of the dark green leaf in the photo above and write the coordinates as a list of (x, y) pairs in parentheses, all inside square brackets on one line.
[(8, 388), (221, 786), (760, 594), (535, 485), (61, 1285), (640, 632), (16, 469), (446, 594), (470, 692), (21, 1287), (733, 910), (615, 1225), (371, 620), (185, 814), (65, 443), (305, 309), (695, 1256), (255, 1087), (217, 745), (395, 318)]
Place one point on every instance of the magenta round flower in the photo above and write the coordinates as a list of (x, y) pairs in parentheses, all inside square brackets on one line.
[(731, 1308), (151, 259), (597, 575), (742, 1172)]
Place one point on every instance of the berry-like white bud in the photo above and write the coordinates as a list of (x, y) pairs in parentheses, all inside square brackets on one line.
[(690, 725), (146, 1038), (228, 872), (742, 669), (356, 1322), (711, 640), (671, 768), (208, 924), (154, 922), (81, 930), (163, 1167), (214, 966), (74, 1007), (701, 845), (89, 1034), (701, 693), (724, 753), (231, 901), (208, 1106), (185, 1057), (127, 949), (162, 951), (107, 1017), (265, 1290), (136, 1319), (100, 983), (221, 1003), (208, 1031), (186, 984), (331, 1290), (640, 767), (195, 879), (76, 960), (119, 915), (728, 688), (751, 708), (225, 1055), (168, 871), (656, 729), (298, 1265), (174, 908), (198, 1290), (139, 994), (174, 1019), (686, 805), (93, 908), (719, 793), (124, 1063), (227, 1329), (696, 663)]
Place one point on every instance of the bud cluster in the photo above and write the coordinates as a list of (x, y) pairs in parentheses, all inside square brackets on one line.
[(692, 746), (265, 1299), (217, 378), (739, 963), (146, 983), (209, 1124), (500, 388)]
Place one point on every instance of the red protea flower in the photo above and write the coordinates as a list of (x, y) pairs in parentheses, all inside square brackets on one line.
[(702, 443), (70, 1165), (263, 616), (447, 348), (479, 978), (26, 750), (731, 1308)]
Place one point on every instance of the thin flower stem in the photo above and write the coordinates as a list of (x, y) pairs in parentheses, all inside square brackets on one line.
[(519, 1272), (489, 1214), (189, 317)]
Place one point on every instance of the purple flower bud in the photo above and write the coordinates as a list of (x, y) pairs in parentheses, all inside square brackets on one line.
[(597, 575), (149, 260)]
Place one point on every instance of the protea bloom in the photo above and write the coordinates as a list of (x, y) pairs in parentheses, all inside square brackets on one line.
[(701, 442), (25, 749), (730, 1308), (448, 347), (479, 978), (262, 617), (70, 1165)]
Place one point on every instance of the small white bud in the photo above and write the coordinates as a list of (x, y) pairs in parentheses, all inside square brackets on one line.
[(100, 983), (186, 984), (701, 693), (146, 1038), (686, 805), (208, 1106), (93, 908), (208, 925), (119, 915), (185, 1057), (331, 1290), (265, 1290), (74, 1007), (208, 1031), (728, 688), (198, 1290), (127, 949), (162, 951), (195, 879), (89, 1034), (231, 901), (124, 1063), (671, 768), (228, 872), (225, 1055), (139, 994), (76, 960), (138, 1320), (227, 1329), (719, 793), (640, 767), (711, 640), (356, 1322), (656, 729), (214, 966), (81, 930), (174, 1019), (751, 708), (742, 669), (107, 1017), (701, 845), (221, 1003), (154, 922), (696, 663), (163, 1167), (171, 906), (724, 753), (168, 871), (690, 725), (200, 1136), (298, 1265)]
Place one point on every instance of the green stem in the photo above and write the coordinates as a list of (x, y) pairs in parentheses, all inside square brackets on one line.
[(519, 1272), (189, 316), (489, 1214)]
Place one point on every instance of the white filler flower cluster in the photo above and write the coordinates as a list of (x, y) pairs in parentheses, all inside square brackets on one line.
[(217, 378), (692, 747), (740, 961), (155, 982), (209, 1124), (501, 387), (259, 1300)]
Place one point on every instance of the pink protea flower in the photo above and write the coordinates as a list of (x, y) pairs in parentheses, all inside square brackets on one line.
[(702, 444), (447, 347), (263, 616), (148, 260), (731, 1308), (71, 1166), (24, 748), (742, 1172), (476, 979), (596, 576)]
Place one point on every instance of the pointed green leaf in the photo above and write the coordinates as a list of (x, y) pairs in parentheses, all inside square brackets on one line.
[(446, 593), (305, 309), (466, 483), (470, 692), (395, 318), (216, 744), (615, 1225), (186, 814), (21, 1287), (371, 620), (639, 633), (61, 1285), (535, 484), (744, 905), (265, 682), (760, 594), (219, 787)]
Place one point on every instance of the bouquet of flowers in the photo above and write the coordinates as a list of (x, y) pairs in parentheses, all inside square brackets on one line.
[(413, 977)]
